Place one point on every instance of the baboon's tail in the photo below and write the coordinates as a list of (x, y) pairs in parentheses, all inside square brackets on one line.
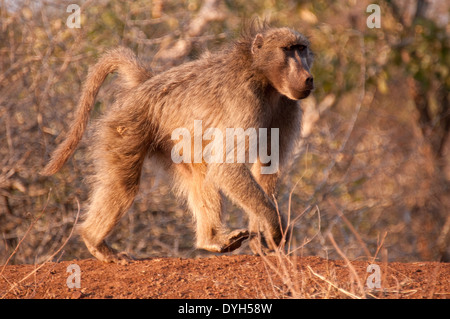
[(132, 73)]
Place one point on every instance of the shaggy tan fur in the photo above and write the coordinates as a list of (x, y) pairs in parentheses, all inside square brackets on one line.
[(254, 83)]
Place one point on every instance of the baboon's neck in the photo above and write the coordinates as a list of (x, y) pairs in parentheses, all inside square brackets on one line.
[(240, 61)]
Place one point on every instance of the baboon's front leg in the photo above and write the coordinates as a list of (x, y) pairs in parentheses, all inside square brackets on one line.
[(206, 204), (239, 184), (268, 183)]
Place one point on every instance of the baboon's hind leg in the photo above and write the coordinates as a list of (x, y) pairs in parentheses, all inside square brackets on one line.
[(103, 213), (118, 165)]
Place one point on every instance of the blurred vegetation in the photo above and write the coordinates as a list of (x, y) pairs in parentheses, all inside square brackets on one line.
[(372, 170)]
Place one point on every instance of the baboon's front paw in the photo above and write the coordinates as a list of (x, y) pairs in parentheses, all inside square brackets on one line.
[(235, 239), (226, 242), (265, 244)]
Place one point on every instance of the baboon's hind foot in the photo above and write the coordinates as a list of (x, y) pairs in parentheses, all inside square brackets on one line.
[(108, 255)]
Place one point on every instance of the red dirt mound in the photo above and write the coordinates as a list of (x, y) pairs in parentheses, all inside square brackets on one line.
[(238, 276)]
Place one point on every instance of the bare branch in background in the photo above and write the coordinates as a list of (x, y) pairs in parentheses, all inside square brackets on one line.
[(171, 54)]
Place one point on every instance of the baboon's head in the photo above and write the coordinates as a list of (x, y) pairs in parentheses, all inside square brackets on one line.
[(284, 58)]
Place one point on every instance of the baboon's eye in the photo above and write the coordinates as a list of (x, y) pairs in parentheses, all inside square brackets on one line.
[(298, 47)]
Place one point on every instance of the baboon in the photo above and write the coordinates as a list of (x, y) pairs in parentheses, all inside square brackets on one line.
[(255, 82)]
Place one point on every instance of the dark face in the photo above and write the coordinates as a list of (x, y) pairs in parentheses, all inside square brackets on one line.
[(285, 59), (298, 81)]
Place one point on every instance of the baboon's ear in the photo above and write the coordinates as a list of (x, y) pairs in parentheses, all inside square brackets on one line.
[(257, 43)]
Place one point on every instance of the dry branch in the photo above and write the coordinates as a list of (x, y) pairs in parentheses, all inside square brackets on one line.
[(209, 12)]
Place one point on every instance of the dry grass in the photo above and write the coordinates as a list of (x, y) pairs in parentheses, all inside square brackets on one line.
[(14, 286)]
